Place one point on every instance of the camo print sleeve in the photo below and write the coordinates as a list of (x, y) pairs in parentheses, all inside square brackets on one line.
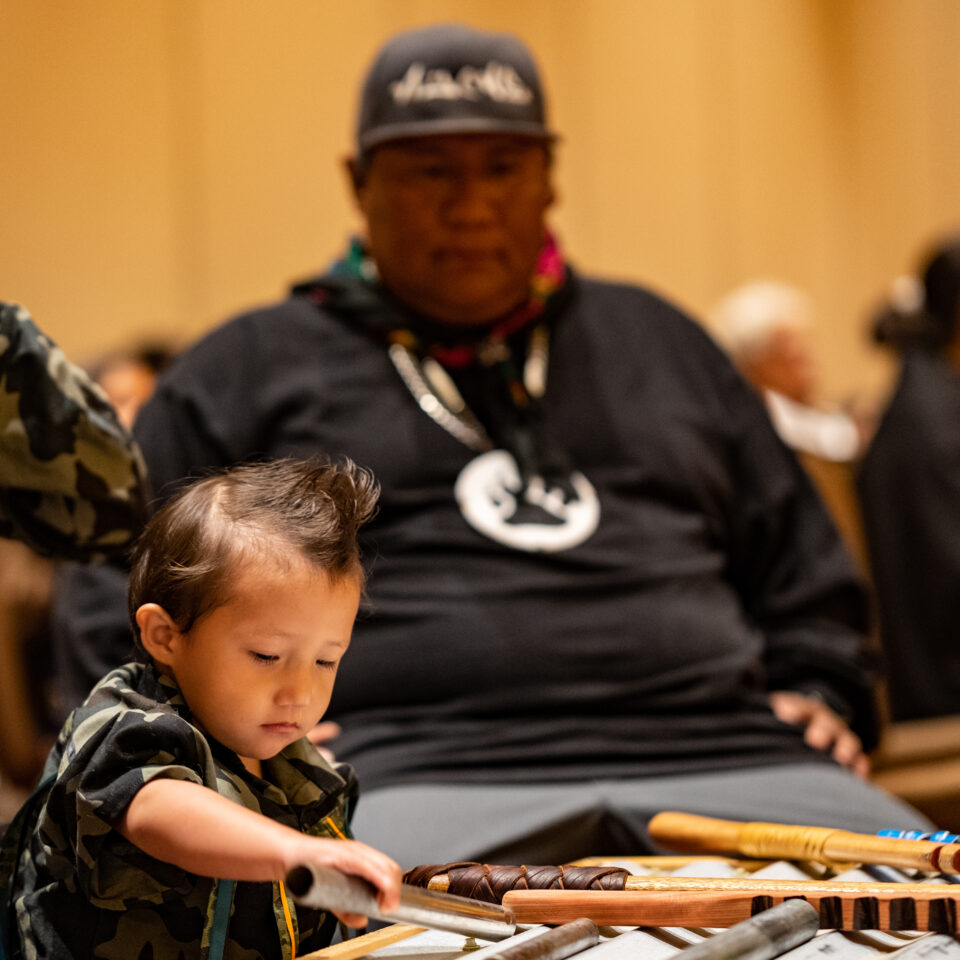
[(112, 752), (72, 481)]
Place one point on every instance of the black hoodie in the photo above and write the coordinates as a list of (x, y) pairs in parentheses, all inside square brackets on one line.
[(713, 577)]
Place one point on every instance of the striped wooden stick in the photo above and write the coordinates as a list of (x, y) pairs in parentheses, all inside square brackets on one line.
[(855, 906)]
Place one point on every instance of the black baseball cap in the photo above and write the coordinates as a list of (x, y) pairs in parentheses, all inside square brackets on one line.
[(451, 78)]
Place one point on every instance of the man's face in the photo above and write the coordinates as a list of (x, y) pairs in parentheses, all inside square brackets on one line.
[(455, 223)]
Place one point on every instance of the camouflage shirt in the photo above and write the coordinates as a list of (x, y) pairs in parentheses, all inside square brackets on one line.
[(83, 890), (71, 478)]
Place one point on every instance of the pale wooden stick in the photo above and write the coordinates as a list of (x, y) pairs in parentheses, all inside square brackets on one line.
[(669, 862), (361, 946), (685, 831)]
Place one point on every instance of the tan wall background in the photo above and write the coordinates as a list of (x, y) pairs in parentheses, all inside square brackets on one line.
[(166, 162)]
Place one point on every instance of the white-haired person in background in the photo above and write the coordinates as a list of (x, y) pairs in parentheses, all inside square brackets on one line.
[(766, 327)]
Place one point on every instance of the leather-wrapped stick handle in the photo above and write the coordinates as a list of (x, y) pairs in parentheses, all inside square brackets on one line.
[(324, 888), (863, 909), (775, 841)]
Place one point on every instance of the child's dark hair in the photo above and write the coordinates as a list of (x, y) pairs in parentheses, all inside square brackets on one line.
[(189, 551)]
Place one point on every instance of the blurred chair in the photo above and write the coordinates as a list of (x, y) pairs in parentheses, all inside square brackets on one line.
[(834, 479), (25, 588), (919, 760)]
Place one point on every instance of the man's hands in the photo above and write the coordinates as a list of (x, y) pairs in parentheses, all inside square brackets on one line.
[(823, 729)]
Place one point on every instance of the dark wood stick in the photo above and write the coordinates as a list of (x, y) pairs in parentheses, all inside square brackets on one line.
[(855, 906), (684, 831)]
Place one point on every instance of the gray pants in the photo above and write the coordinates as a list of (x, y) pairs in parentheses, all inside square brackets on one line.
[(558, 822)]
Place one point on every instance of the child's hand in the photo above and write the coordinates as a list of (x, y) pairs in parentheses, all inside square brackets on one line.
[(351, 856)]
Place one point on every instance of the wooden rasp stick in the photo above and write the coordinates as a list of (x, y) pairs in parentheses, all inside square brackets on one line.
[(853, 909), (776, 841)]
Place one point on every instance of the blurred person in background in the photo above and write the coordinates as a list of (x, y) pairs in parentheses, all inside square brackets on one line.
[(909, 486), (766, 327), (129, 376)]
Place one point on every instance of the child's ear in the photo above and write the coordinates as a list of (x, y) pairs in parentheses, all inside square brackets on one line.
[(158, 633)]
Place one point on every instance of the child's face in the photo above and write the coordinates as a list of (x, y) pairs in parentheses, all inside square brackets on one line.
[(258, 671)]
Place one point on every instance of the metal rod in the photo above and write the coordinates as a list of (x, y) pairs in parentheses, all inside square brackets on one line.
[(763, 937), (554, 944), (327, 889)]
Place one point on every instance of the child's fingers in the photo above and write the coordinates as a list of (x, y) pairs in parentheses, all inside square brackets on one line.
[(383, 873), (352, 919), (351, 856), (389, 899)]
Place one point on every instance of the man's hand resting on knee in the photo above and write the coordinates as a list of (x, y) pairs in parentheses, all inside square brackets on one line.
[(823, 729)]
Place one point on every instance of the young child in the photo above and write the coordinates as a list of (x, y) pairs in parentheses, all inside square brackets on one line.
[(184, 788)]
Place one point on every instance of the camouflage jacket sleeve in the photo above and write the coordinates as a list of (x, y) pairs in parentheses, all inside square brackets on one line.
[(111, 749), (72, 481)]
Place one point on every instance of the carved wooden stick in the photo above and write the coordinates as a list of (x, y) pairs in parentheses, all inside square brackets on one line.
[(685, 831), (857, 906)]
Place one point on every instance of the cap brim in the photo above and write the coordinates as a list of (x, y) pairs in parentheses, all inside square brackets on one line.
[(439, 126)]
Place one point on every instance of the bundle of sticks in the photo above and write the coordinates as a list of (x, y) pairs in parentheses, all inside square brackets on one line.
[(765, 918), (612, 896)]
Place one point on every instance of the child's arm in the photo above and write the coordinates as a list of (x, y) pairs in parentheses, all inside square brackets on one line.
[(196, 829)]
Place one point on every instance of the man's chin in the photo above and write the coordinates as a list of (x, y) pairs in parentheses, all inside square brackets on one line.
[(472, 306)]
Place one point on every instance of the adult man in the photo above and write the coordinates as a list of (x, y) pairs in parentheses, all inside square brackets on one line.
[(593, 561)]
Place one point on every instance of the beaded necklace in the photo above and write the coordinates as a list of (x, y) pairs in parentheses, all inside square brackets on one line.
[(423, 363), (440, 399)]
